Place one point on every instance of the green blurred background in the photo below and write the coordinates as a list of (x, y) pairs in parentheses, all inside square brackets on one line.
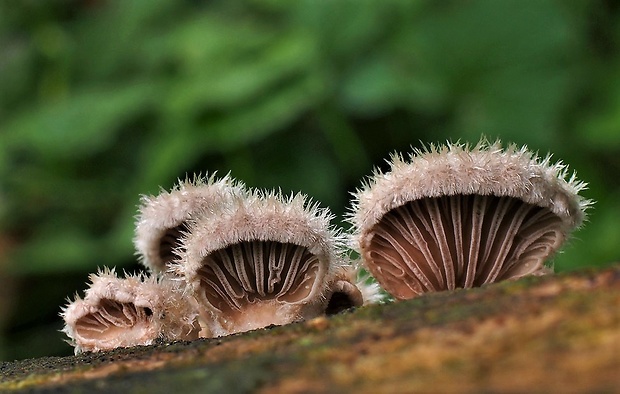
[(102, 100)]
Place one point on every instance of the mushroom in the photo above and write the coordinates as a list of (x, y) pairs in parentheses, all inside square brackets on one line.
[(457, 216), (263, 259), (127, 312), (351, 289), (162, 219)]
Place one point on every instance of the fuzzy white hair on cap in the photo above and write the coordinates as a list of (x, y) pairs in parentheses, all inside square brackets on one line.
[(461, 216), (264, 259), (133, 311), (162, 219)]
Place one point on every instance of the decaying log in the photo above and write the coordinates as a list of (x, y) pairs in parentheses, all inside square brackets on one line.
[(541, 334)]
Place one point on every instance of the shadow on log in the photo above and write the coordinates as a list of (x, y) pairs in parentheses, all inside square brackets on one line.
[(545, 334)]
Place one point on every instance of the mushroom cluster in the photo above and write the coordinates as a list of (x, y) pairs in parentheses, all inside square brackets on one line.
[(222, 258)]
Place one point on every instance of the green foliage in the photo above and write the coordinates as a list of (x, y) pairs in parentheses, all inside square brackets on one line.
[(105, 100)]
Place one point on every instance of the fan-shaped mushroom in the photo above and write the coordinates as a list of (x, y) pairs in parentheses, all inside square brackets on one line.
[(455, 216), (128, 312), (162, 219), (262, 260)]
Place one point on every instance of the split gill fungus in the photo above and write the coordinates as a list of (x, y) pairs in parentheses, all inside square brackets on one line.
[(265, 259), (457, 216), (136, 310)]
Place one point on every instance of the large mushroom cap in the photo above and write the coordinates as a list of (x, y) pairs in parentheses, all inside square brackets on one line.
[(264, 259), (456, 216), (162, 219), (127, 312)]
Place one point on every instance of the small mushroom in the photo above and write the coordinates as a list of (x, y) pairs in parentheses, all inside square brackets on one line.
[(162, 219), (127, 312), (348, 291), (457, 216), (262, 260)]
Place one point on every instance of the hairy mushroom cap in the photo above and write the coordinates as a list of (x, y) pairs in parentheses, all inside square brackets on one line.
[(461, 216), (162, 219), (127, 312), (264, 259)]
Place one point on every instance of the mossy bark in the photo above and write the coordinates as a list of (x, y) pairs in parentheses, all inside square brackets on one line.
[(544, 334)]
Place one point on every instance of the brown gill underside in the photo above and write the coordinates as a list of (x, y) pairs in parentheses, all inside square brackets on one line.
[(459, 241), (254, 271), (113, 321)]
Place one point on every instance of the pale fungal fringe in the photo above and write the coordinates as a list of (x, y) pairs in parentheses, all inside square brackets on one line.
[(457, 168), (161, 220), (461, 216), (371, 291), (133, 311)]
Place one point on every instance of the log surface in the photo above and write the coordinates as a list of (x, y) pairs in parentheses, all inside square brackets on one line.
[(545, 334)]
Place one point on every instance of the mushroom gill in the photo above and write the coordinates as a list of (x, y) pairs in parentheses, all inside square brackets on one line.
[(457, 216), (258, 276), (114, 324), (459, 241)]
